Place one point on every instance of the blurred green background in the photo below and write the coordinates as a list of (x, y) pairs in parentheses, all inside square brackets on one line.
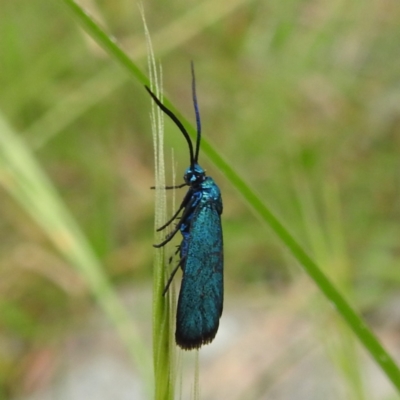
[(301, 97)]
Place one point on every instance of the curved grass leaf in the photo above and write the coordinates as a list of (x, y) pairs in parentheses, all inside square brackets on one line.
[(350, 316)]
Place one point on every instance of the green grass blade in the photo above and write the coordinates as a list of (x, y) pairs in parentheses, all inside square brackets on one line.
[(105, 41), (163, 344), (22, 176), (353, 320)]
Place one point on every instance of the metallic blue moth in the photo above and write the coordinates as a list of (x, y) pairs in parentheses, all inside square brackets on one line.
[(201, 296)]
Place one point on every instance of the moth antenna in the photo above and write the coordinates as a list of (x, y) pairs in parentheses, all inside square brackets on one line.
[(197, 112), (175, 119)]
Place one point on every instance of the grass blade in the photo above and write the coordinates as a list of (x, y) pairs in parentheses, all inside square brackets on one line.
[(163, 343), (22, 176), (353, 320)]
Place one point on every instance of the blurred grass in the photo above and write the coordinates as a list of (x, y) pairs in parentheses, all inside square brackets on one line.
[(302, 96)]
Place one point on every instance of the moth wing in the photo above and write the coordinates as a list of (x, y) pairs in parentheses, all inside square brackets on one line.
[(200, 300)]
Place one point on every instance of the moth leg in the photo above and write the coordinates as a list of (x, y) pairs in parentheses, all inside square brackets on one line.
[(187, 199), (179, 224), (171, 219), (173, 255), (169, 237), (172, 187), (172, 276)]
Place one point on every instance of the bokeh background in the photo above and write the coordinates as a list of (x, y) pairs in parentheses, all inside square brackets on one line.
[(301, 97)]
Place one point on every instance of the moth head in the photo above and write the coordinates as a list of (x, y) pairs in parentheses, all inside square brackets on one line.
[(194, 175)]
